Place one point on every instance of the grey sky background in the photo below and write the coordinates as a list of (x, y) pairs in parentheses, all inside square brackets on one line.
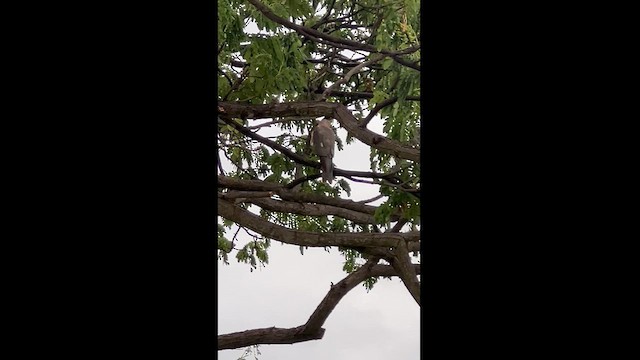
[(381, 324)]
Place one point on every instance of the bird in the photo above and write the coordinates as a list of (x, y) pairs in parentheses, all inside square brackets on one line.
[(323, 142)]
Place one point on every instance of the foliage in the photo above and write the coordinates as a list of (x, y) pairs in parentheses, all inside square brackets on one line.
[(280, 65), (251, 350), (314, 51)]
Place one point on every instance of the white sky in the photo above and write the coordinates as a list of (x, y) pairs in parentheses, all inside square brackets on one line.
[(381, 324)]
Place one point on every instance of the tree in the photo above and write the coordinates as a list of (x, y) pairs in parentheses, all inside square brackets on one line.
[(347, 60)]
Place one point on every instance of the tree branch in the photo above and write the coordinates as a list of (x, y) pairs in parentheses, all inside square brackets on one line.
[(401, 262), (406, 63), (272, 144), (315, 34), (372, 199), (351, 72), (387, 270), (272, 335), (306, 238), (350, 123), (311, 210), (358, 94), (317, 109), (289, 195), (381, 105), (325, 17), (337, 292), (398, 226)]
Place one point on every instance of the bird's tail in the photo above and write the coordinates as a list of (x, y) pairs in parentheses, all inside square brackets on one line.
[(327, 169)]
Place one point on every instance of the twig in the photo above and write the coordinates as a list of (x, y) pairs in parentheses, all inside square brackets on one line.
[(275, 122), (335, 294), (351, 72), (376, 109), (372, 199), (398, 226)]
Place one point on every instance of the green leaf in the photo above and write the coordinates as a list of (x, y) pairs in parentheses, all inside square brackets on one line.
[(345, 186), (277, 50), (386, 63), (378, 96)]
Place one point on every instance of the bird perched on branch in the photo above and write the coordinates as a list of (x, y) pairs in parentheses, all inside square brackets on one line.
[(323, 141)]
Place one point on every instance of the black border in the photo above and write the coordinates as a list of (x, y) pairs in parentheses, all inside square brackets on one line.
[(121, 182)]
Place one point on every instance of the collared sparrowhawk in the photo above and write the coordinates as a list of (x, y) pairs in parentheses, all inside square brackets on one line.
[(323, 141)]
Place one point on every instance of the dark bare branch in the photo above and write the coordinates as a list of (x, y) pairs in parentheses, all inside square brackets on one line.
[(401, 262), (381, 105), (272, 335), (398, 226), (335, 294), (372, 199)]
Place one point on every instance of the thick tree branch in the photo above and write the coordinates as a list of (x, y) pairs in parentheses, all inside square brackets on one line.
[(311, 210), (350, 123), (306, 238), (272, 335), (289, 195), (401, 262), (317, 109)]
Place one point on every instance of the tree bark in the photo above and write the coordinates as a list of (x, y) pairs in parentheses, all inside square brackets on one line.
[(272, 335), (313, 239)]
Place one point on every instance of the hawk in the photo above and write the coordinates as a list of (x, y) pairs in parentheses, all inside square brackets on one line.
[(323, 141)]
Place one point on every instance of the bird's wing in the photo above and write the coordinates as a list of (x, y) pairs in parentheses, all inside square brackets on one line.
[(323, 140)]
